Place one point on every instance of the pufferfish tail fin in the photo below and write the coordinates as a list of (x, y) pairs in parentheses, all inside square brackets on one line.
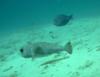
[(68, 47)]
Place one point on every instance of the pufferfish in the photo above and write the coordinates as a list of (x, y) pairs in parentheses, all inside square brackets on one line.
[(40, 49)]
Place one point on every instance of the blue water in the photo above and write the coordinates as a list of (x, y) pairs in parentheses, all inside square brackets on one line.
[(15, 14)]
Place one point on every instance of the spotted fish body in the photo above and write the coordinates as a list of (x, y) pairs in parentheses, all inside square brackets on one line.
[(42, 49)]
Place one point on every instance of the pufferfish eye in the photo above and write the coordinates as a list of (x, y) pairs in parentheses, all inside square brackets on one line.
[(21, 50)]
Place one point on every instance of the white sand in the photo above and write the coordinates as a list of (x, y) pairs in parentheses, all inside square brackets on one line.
[(84, 62)]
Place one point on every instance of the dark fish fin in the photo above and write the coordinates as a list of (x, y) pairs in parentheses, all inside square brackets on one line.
[(68, 47)]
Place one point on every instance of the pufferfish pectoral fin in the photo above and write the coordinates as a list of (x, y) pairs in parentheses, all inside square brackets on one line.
[(33, 56)]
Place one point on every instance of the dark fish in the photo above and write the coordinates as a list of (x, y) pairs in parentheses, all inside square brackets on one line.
[(62, 19), (41, 49)]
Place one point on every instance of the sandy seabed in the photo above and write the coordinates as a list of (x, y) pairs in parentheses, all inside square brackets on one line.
[(83, 62)]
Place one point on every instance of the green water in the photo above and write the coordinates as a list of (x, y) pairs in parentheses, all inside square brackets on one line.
[(29, 21), (22, 13)]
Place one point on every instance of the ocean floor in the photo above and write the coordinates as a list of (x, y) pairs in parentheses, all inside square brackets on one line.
[(83, 62)]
